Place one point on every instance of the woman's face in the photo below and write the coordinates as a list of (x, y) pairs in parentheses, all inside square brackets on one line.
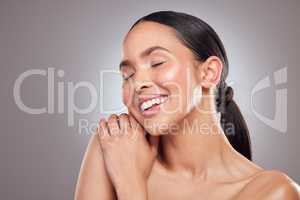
[(167, 74)]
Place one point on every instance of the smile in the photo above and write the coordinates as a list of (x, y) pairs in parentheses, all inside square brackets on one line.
[(152, 106)]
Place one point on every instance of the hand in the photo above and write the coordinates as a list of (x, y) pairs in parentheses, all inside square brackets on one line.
[(128, 156)]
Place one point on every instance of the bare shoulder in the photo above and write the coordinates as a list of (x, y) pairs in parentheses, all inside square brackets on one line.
[(271, 184), (93, 182)]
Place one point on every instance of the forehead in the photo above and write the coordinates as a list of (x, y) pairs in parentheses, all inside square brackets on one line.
[(147, 34)]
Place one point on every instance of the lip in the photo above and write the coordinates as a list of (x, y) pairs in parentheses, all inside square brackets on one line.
[(143, 98)]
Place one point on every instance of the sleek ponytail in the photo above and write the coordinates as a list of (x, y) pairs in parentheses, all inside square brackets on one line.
[(204, 42), (232, 121)]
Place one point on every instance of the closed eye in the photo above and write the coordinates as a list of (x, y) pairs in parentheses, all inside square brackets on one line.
[(127, 77), (157, 64), (154, 65)]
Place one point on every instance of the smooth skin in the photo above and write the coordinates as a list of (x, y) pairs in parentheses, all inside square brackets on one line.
[(175, 162)]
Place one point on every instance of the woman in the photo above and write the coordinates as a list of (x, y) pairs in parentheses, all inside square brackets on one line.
[(184, 136)]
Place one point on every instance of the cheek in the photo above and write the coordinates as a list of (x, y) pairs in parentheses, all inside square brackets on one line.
[(169, 74), (126, 94), (174, 78)]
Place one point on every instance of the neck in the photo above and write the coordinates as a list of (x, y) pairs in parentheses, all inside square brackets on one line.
[(197, 147)]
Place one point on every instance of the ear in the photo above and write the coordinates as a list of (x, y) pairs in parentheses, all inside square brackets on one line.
[(210, 72)]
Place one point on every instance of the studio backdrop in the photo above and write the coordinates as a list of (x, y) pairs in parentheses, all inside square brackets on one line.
[(59, 75)]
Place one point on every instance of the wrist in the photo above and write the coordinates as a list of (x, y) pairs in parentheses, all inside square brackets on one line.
[(135, 189)]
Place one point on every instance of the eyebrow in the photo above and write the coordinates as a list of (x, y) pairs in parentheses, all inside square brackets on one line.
[(143, 54)]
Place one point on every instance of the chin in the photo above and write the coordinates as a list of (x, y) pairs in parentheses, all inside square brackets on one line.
[(160, 125)]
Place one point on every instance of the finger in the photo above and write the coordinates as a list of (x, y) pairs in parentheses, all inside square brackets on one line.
[(103, 129), (113, 125), (124, 123), (105, 136)]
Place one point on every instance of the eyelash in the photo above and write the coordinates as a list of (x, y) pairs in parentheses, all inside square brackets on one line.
[(157, 64), (126, 78), (154, 65)]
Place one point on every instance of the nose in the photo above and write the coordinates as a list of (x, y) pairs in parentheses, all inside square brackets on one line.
[(142, 81), (141, 86)]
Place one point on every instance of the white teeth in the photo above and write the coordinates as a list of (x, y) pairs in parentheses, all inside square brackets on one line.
[(151, 102)]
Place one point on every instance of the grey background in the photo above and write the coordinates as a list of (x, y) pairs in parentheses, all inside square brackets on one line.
[(41, 155)]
